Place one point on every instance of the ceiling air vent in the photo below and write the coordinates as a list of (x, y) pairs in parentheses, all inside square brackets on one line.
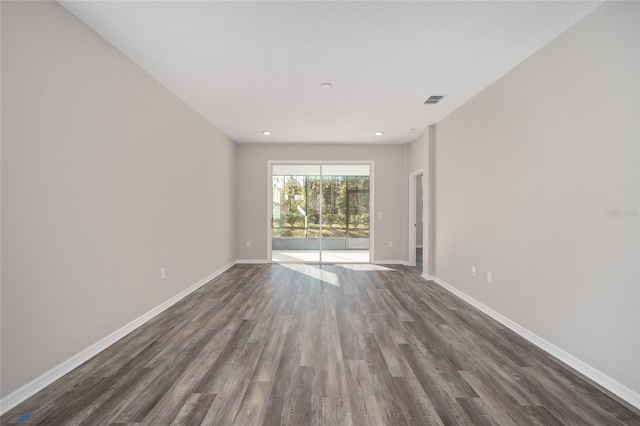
[(433, 100)]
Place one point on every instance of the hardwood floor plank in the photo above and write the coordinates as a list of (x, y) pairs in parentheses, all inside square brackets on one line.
[(204, 353), (253, 405), (492, 365), (445, 405), (364, 407), (284, 380), (311, 344), (88, 397), (322, 345), (543, 416), (298, 408), (110, 409), (336, 412), (331, 366), (433, 339), (502, 408), (477, 411), (396, 364), (395, 306), (349, 339), (226, 364), (419, 407), (271, 353), (393, 410), (194, 410), (289, 299), (230, 393), (570, 404), (447, 376), (384, 321)]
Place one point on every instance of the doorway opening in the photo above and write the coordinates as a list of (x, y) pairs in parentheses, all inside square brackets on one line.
[(416, 219), (320, 212)]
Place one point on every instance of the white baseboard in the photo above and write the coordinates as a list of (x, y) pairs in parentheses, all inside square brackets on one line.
[(251, 261), (388, 262), (39, 383), (428, 277), (587, 370)]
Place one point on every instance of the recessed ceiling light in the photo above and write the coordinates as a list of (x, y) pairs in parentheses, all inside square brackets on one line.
[(326, 85), (266, 132), (379, 133)]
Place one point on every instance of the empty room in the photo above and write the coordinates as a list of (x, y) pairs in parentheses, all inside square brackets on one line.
[(320, 212)]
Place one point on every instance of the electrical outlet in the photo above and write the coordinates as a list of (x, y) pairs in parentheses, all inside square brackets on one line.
[(489, 277), (379, 214), (390, 243), (162, 274), (248, 243), (473, 271)]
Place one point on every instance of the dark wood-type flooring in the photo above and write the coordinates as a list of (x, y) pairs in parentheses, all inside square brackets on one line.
[(321, 345)]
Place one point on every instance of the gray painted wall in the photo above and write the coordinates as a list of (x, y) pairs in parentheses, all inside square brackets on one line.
[(430, 236), (106, 178), (415, 152), (528, 174)]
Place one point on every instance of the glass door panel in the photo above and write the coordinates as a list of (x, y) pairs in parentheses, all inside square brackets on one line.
[(295, 213), (345, 214), (320, 213)]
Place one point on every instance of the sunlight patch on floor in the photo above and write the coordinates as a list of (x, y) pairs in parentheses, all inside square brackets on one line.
[(314, 271)]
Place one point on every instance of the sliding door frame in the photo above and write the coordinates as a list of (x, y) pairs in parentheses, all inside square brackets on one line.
[(271, 163)]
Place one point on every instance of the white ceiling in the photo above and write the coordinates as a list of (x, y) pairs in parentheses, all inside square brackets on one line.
[(254, 66)]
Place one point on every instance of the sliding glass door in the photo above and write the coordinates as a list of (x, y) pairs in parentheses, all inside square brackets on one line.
[(295, 222), (320, 213)]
